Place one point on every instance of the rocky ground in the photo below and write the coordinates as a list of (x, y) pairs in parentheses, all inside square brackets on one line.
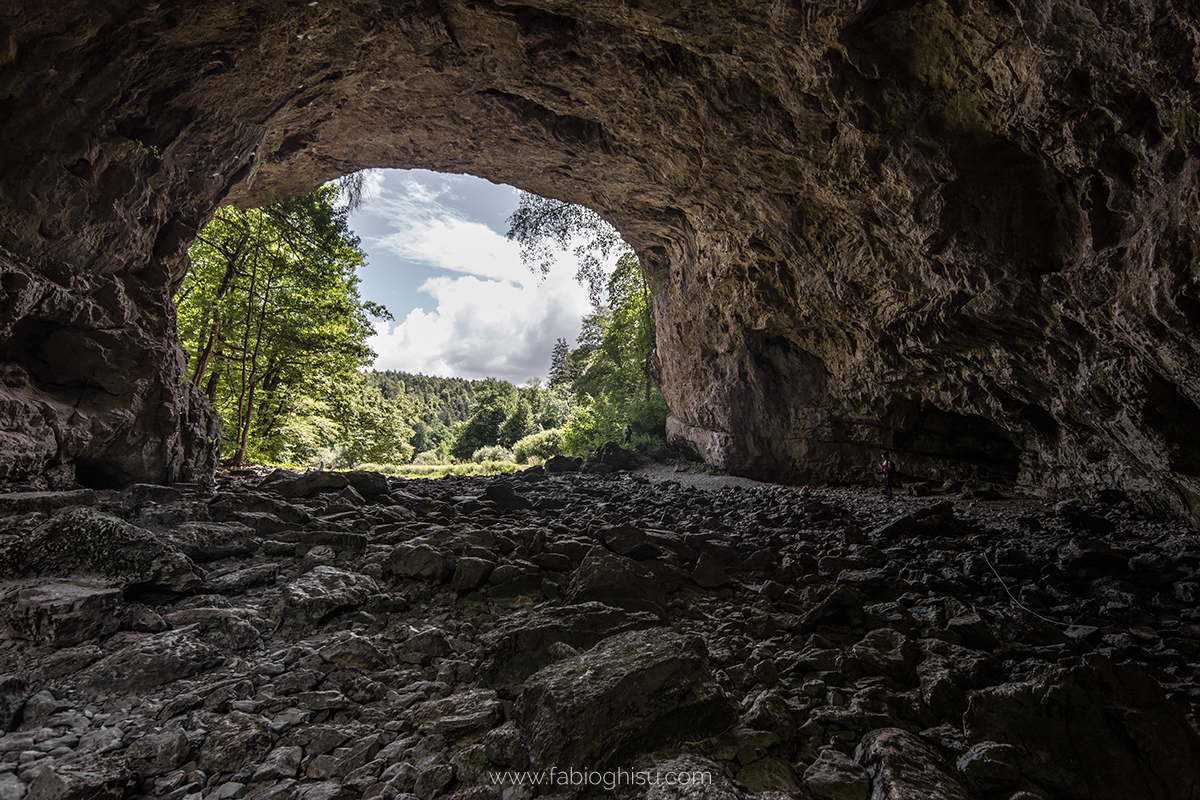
[(344, 635)]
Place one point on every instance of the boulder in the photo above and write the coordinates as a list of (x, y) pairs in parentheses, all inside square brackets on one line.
[(368, 484), (152, 661), (836, 776), (522, 646), (563, 464), (13, 691), (902, 767), (475, 711), (63, 614), (1100, 731), (420, 560), (505, 496), (618, 457), (321, 591), (631, 693), (84, 541), (628, 540), (616, 581), (291, 484)]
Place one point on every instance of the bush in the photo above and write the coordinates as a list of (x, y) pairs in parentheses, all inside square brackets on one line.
[(492, 452), (429, 457), (653, 446), (543, 445)]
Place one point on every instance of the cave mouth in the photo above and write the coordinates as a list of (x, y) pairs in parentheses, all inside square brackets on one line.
[(347, 308)]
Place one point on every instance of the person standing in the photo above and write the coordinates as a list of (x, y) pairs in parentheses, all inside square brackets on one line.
[(886, 468), (628, 434)]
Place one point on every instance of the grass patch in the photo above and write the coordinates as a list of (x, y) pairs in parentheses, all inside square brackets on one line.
[(442, 470)]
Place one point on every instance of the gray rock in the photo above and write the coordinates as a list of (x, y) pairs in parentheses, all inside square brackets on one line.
[(290, 484), (235, 741), (632, 692), (320, 591), (13, 691), (459, 715), (709, 574), (990, 766), (368, 484), (11, 787), (616, 581), (836, 776), (432, 780), (902, 767), (470, 573), (505, 747), (422, 561), (629, 541), (770, 774), (152, 661), (64, 614), (505, 496), (84, 541), (886, 652), (45, 502), (1095, 731), (563, 464), (522, 646), (351, 651)]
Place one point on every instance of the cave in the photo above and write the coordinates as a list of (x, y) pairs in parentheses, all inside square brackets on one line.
[(983, 212)]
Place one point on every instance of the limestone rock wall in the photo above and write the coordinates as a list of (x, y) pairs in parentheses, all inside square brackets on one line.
[(962, 230)]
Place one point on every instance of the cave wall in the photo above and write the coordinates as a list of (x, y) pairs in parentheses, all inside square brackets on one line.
[(961, 230)]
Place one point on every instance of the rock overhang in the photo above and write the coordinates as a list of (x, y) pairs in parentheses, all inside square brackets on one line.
[(964, 232)]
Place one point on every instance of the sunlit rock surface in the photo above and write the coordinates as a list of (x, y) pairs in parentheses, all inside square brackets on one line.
[(963, 231)]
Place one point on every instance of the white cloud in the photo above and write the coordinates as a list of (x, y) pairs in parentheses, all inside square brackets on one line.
[(484, 328), (471, 248), (494, 317)]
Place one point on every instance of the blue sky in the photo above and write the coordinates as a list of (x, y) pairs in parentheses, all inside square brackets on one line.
[(465, 305)]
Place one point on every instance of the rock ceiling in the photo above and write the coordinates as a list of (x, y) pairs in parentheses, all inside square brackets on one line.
[(965, 231)]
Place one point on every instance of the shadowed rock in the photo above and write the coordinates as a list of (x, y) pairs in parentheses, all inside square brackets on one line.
[(83, 541), (633, 692)]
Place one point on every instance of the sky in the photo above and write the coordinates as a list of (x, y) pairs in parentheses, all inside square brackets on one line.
[(464, 304)]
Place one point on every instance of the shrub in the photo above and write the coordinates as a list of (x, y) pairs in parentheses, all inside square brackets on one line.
[(543, 445), (429, 457), (653, 446), (492, 452)]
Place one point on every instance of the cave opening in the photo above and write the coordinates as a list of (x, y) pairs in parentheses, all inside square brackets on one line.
[(329, 329)]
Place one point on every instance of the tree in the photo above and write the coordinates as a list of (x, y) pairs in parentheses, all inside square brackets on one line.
[(494, 402), (608, 371), (518, 425), (542, 227), (558, 362), (270, 313), (375, 429)]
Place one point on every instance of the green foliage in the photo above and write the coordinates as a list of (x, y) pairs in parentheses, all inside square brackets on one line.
[(648, 444), (608, 371), (518, 425), (542, 444), (621, 335), (428, 457), (375, 429), (543, 227), (492, 452), (272, 321), (494, 402), (442, 470), (557, 402)]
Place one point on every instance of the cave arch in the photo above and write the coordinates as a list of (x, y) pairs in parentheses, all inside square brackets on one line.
[(820, 194)]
